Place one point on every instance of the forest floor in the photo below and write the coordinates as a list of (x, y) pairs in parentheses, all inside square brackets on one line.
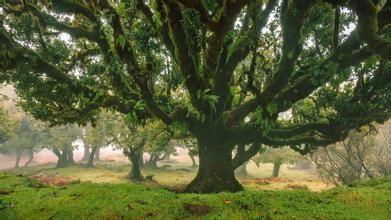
[(104, 192), (175, 176)]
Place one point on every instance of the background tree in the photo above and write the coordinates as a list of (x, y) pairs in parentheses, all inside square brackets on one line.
[(131, 138), (97, 137), (360, 156), (158, 143), (28, 139), (207, 64), (7, 126), (382, 157), (278, 157), (191, 146), (60, 140)]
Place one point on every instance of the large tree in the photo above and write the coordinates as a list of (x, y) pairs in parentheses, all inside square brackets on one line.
[(225, 69)]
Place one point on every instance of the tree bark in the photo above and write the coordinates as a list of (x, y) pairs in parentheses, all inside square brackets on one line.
[(90, 162), (276, 169), (215, 173), (135, 173), (31, 157)]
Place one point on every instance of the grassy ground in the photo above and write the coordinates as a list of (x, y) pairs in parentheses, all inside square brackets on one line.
[(23, 198)]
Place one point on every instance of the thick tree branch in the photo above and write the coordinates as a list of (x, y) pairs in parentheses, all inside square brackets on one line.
[(241, 157), (368, 27), (186, 63)]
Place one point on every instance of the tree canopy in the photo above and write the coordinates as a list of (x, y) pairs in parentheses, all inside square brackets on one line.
[(225, 69)]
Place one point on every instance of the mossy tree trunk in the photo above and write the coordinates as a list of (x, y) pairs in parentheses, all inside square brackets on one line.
[(135, 173), (215, 172)]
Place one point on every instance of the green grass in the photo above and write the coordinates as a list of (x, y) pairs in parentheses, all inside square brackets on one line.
[(22, 198)]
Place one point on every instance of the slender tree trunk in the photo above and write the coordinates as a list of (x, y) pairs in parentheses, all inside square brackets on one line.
[(90, 162), (193, 162), (276, 169), (18, 155), (86, 154), (215, 172), (70, 157), (97, 154), (31, 157), (135, 173)]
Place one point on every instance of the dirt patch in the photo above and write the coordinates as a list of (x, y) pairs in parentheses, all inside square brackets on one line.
[(53, 180), (296, 186), (266, 181), (197, 210)]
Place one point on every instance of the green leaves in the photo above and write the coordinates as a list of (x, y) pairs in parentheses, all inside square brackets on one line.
[(121, 41), (271, 108), (210, 99)]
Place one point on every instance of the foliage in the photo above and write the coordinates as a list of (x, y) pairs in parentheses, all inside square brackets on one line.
[(7, 126), (19, 199), (62, 137), (158, 144), (283, 155)]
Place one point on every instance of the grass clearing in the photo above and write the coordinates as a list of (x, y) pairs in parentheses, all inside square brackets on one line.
[(23, 198)]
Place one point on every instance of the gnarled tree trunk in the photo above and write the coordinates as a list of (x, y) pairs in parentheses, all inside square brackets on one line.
[(215, 172), (62, 158)]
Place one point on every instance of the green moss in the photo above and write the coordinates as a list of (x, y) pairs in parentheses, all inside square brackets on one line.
[(20, 199)]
